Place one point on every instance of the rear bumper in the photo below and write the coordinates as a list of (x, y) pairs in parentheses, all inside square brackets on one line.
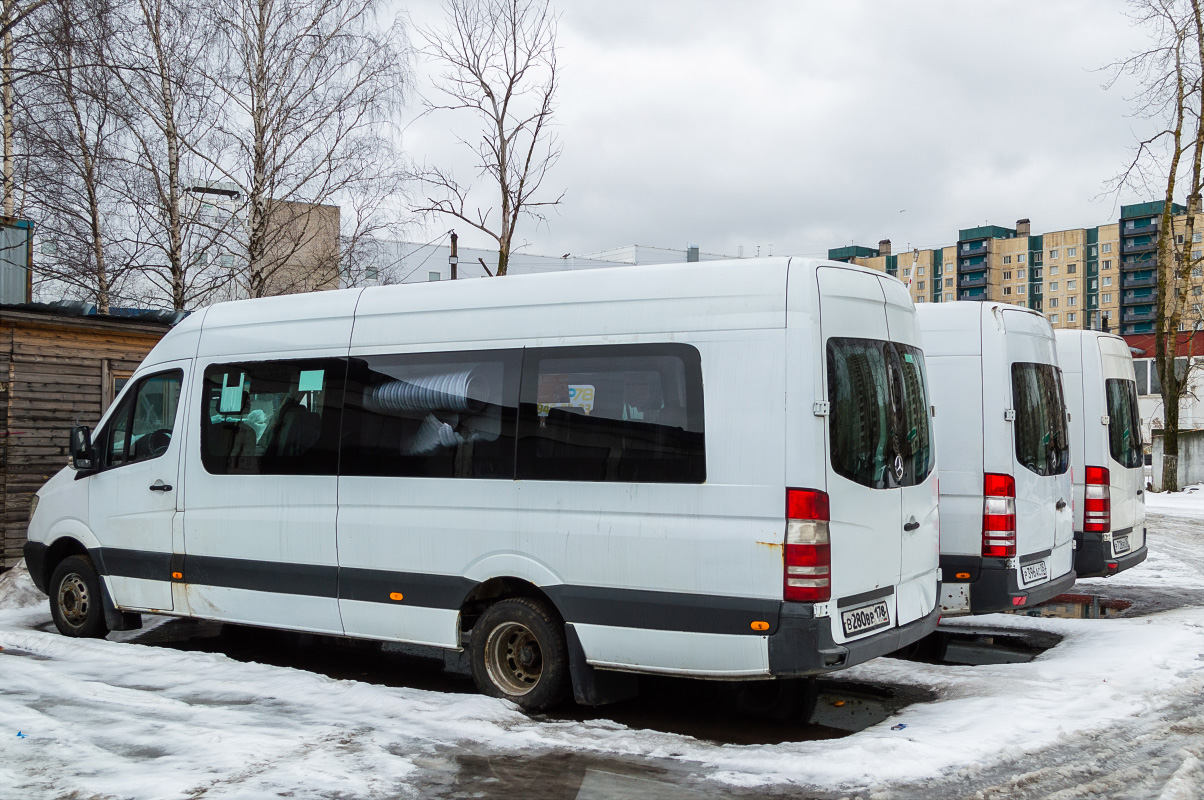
[(994, 586), (1093, 556), (35, 562), (803, 644)]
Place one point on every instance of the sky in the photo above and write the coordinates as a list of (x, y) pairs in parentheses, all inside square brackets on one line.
[(800, 126)]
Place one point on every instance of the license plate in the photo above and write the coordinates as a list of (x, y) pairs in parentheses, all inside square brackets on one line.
[(865, 618), (1120, 545), (1037, 571)]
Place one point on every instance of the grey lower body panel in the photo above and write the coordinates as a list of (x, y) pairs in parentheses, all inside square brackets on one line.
[(1093, 555)]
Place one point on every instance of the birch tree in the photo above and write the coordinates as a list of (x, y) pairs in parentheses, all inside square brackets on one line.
[(498, 64), (309, 90)]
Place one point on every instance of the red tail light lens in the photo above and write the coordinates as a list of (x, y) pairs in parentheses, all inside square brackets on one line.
[(998, 516), (1097, 501), (808, 575)]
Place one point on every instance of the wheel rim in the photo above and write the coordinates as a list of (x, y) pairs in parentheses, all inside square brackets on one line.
[(74, 600), (513, 658)]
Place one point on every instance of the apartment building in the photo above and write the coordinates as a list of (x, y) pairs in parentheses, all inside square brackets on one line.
[(1100, 277)]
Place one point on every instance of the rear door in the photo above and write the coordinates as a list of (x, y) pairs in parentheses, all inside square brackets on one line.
[(865, 527), (919, 554), (1040, 436), (1125, 448)]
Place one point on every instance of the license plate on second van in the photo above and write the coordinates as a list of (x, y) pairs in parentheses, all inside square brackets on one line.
[(1037, 571), (866, 618), (1120, 545)]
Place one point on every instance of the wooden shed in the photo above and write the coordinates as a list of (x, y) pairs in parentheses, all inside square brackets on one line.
[(57, 369)]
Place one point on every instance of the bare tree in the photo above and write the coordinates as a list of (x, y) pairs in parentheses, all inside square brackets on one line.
[(1169, 75), (498, 60), (70, 128), (12, 14), (309, 89)]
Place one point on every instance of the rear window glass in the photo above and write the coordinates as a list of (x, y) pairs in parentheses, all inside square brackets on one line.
[(1124, 424), (880, 433), (1042, 441), (628, 413)]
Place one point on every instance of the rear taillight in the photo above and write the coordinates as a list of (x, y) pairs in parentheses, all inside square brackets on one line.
[(1097, 501), (808, 575), (998, 516)]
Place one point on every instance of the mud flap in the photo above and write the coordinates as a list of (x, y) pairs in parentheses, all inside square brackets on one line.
[(596, 687), (116, 619)]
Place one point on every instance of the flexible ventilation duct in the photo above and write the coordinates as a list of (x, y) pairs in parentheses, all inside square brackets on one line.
[(450, 391)]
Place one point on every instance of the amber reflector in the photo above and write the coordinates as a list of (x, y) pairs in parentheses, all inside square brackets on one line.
[(760, 625), (395, 595)]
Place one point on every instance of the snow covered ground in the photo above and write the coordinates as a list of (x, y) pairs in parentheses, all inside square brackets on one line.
[(1114, 710)]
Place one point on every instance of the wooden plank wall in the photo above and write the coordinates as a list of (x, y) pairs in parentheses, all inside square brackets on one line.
[(54, 380)]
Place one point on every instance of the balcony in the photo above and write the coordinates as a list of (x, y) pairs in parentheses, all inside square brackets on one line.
[(974, 249), (1139, 314), (1140, 261), (971, 264), (1141, 327), (1133, 282), (1138, 298), (972, 294), (969, 280), (1139, 245)]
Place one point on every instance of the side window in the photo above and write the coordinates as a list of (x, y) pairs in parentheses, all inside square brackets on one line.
[(272, 417), (912, 438), (627, 413), (432, 415), (1124, 423), (1042, 441), (141, 427)]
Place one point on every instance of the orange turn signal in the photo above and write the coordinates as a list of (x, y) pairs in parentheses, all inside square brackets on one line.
[(395, 596), (177, 575), (760, 625), (961, 576)]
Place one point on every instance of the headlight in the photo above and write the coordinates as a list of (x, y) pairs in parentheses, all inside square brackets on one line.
[(33, 506)]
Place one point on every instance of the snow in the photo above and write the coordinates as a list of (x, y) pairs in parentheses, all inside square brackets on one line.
[(114, 718), (1187, 503)]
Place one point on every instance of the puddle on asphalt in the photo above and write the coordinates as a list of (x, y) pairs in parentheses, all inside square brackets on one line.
[(726, 712), (1078, 606)]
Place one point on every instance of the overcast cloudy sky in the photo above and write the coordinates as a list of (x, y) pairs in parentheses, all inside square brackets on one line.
[(809, 125)]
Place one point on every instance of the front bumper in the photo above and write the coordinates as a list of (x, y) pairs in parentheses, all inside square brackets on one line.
[(803, 643), (35, 562), (1093, 556)]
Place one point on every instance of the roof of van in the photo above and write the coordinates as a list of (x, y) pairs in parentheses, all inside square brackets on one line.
[(943, 325), (728, 294)]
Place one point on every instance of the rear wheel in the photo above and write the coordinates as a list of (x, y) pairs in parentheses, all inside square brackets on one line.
[(75, 600), (518, 653)]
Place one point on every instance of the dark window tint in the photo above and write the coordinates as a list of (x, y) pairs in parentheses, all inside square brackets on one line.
[(1042, 443), (880, 433), (612, 413), (272, 417), (432, 415), (1124, 425), (1156, 373), (141, 427)]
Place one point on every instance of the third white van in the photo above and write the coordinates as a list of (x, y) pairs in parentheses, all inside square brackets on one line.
[(1106, 452), (1003, 445)]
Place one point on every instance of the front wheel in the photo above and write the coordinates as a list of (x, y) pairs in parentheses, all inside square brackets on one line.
[(75, 600), (518, 653)]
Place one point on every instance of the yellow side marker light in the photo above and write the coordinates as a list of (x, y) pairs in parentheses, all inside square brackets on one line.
[(961, 576), (396, 596), (177, 575), (760, 625), (838, 703)]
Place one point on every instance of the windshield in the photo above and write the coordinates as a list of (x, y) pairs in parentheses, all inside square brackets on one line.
[(1042, 443)]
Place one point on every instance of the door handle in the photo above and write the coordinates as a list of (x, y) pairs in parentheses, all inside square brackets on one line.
[(911, 526), (1061, 505), (1139, 493), (160, 486)]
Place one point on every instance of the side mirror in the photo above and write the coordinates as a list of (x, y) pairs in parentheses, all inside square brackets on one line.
[(81, 447)]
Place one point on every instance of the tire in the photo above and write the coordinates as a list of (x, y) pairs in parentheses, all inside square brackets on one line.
[(518, 653), (75, 599)]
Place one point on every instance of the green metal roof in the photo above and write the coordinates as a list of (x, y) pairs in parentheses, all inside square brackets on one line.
[(1150, 209), (985, 232), (851, 251)]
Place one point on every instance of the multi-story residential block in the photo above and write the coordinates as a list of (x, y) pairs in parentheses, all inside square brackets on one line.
[(1101, 277)]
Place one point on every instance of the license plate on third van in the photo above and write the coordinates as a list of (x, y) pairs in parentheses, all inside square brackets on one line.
[(1037, 571), (1120, 545), (865, 618)]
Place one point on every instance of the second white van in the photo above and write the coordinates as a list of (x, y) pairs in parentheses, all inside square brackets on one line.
[(1004, 449), (1106, 452)]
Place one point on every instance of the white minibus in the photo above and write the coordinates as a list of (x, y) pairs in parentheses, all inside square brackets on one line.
[(1003, 446), (718, 470), (1106, 453)]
